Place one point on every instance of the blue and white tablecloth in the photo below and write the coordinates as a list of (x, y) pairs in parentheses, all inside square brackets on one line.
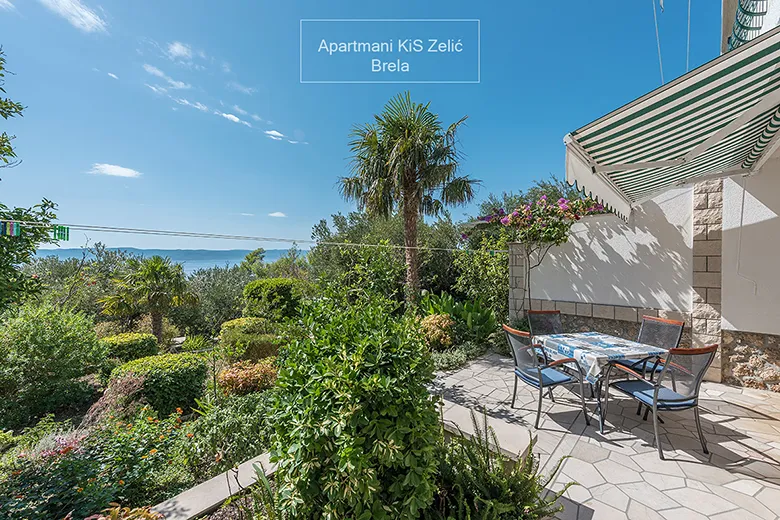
[(594, 350)]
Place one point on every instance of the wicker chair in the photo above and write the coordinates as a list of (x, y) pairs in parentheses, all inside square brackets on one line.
[(543, 376)]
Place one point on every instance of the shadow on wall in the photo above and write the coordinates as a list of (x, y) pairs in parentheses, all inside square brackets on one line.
[(751, 246), (645, 263)]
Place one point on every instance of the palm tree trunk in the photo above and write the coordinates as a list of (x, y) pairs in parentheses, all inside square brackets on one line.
[(411, 216), (157, 327)]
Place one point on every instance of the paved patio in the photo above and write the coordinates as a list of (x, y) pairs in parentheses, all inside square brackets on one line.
[(619, 472)]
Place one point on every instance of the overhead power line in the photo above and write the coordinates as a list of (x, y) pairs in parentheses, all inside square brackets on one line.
[(658, 40), (189, 234)]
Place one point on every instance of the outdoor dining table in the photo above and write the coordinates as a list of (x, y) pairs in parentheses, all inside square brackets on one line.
[(593, 352)]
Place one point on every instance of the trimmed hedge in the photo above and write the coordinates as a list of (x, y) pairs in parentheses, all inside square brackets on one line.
[(246, 377), (131, 345), (249, 338), (273, 298), (170, 381)]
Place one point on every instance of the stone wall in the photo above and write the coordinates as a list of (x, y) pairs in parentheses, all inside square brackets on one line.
[(707, 248), (751, 360)]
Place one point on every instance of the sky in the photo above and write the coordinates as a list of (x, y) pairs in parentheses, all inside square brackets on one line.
[(191, 115)]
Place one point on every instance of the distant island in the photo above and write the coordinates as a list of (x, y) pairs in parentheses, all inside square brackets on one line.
[(191, 259)]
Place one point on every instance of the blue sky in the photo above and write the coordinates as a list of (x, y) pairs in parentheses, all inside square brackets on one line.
[(203, 100)]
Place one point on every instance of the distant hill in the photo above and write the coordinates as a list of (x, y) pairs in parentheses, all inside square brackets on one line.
[(192, 259)]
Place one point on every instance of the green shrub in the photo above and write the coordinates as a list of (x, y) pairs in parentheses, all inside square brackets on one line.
[(43, 350), (273, 298), (170, 381), (229, 432), (457, 356), (439, 331), (131, 345), (477, 481), (134, 463), (484, 273), (475, 321), (248, 338), (355, 428), (246, 377)]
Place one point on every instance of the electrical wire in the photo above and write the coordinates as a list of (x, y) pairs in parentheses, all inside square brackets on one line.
[(688, 45), (189, 234), (658, 42)]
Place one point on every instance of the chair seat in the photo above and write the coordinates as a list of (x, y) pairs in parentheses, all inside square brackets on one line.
[(631, 362), (550, 377), (643, 391)]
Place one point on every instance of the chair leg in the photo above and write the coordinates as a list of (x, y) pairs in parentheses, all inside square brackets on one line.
[(639, 409), (603, 409), (657, 436), (701, 434), (514, 394), (582, 398), (592, 395), (552, 398), (539, 407), (647, 412)]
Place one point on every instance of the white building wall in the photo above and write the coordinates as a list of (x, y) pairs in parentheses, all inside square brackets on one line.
[(645, 263), (751, 251)]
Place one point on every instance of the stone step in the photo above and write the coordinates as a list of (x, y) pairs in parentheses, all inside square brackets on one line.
[(514, 440)]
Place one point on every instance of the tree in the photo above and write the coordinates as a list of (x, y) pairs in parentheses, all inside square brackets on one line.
[(154, 285), (406, 160), (8, 109), (16, 251), (254, 263)]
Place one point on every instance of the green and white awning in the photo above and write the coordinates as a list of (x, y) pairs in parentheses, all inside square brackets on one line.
[(720, 119)]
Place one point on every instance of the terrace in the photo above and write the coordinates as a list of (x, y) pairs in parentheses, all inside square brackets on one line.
[(619, 472)]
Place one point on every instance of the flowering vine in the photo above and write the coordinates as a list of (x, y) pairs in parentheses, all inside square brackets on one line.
[(541, 225)]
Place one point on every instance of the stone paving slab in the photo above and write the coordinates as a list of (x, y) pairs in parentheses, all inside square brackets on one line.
[(619, 473)]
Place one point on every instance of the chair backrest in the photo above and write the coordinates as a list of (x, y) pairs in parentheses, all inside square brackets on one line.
[(660, 332), (545, 322), (523, 352), (685, 369)]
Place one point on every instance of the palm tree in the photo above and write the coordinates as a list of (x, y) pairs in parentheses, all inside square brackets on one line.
[(154, 285), (406, 160)]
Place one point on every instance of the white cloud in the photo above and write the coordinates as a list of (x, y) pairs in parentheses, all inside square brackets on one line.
[(6, 5), (179, 51), (247, 214), (157, 89), (200, 106), (233, 118), (238, 87), (226, 67), (113, 170), (112, 75), (277, 214), (240, 110), (77, 14), (177, 85), (293, 142), (274, 133), (256, 117)]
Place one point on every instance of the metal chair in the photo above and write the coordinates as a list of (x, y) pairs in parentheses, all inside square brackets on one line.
[(685, 368), (541, 376), (545, 322), (658, 332)]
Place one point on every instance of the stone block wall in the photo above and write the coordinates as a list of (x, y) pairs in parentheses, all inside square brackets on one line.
[(705, 306), (751, 360)]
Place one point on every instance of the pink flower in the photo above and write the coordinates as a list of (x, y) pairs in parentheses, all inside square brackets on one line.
[(505, 221)]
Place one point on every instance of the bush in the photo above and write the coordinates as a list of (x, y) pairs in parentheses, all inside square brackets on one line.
[(474, 321), (170, 381), (130, 346), (439, 331), (477, 481), (273, 298), (355, 428), (43, 350), (228, 433), (484, 274), (116, 512), (135, 463), (122, 399), (248, 338), (246, 377), (457, 356), (219, 299)]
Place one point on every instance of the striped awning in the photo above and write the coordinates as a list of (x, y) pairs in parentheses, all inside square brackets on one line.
[(719, 119)]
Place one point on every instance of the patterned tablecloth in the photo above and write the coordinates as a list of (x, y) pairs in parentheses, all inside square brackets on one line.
[(594, 350)]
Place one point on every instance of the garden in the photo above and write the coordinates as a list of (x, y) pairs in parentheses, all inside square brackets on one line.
[(325, 360)]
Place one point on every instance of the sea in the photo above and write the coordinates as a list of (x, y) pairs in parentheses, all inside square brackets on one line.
[(191, 259)]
